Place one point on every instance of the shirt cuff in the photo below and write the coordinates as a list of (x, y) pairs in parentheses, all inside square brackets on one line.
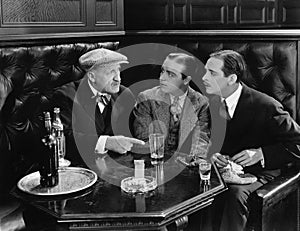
[(262, 162), (100, 146)]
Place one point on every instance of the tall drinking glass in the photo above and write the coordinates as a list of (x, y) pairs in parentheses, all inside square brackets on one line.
[(205, 170), (156, 142)]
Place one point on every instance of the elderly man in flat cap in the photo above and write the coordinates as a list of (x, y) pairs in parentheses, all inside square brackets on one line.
[(99, 118)]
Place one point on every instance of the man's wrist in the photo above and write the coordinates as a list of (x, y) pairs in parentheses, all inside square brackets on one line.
[(100, 145), (262, 161)]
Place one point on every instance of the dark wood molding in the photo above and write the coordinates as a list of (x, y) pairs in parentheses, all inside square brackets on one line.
[(55, 38), (286, 34), (213, 14), (59, 35), (258, 33)]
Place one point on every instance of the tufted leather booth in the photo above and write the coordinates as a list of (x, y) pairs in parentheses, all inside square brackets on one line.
[(28, 79), (30, 75)]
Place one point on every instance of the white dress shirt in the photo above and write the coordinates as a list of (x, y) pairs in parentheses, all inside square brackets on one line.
[(180, 100), (233, 99), (95, 93)]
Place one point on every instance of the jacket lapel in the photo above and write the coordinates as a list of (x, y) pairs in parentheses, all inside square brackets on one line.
[(116, 107), (162, 111), (244, 112), (88, 103), (189, 117)]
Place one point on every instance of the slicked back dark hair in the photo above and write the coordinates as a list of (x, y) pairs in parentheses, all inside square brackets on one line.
[(234, 63), (187, 60)]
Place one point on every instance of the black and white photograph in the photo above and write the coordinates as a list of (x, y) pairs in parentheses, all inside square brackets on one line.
[(143, 115)]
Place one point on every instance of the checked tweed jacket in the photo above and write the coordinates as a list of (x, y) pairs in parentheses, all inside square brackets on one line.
[(152, 114)]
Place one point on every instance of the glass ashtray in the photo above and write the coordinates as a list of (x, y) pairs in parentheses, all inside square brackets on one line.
[(138, 185)]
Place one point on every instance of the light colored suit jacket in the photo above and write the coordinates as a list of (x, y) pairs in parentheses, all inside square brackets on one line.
[(152, 114)]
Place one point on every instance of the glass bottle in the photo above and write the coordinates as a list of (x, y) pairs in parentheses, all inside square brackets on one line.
[(49, 163), (48, 125), (58, 129)]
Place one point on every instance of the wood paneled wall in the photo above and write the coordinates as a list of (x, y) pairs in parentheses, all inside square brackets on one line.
[(211, 14), (19, 17)]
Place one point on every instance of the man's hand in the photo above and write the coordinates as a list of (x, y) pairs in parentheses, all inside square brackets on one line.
[(220, 160), (248, 157), (121, 144)]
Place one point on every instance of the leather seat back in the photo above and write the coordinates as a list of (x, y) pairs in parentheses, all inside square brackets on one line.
[(28, 78)]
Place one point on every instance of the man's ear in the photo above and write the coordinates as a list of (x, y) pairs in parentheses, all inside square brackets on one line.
[(187, 80), (91, 76), (232, 79)]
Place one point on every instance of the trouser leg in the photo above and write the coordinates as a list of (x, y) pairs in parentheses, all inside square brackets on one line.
[(236, 208)]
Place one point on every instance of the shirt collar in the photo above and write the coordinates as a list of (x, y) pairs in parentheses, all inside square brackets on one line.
[(233, 99), (181, 98), (95, 92)]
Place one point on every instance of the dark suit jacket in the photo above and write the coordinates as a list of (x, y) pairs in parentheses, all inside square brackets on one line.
[(78, 115), (260, 121), (152, 114)]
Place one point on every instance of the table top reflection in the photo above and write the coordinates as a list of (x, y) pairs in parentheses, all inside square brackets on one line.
[(180, 192)]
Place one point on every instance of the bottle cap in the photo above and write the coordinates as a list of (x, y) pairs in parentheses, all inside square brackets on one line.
[(56, 110), (47, 115)]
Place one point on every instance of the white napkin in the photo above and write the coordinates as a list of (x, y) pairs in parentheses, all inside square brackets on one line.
[(233, 173), (234, 167)]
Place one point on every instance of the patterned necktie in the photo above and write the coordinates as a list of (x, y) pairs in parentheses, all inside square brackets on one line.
[(223, 111), (176, 109), (102, 99)]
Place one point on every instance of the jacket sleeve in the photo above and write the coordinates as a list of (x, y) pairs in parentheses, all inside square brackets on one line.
[(142, 118), (202, 132), (286, 134)]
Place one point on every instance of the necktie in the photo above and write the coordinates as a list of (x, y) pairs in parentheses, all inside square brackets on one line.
[(175, 109), (224, 110), (102, 99)]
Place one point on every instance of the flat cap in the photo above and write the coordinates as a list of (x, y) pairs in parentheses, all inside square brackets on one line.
[(101, 57)]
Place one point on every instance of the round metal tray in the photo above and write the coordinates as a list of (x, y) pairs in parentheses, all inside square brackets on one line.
[(71, 179)]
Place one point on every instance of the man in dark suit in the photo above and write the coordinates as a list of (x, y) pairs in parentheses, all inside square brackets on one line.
[(260, 135), (174, 109), (96, 114)]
